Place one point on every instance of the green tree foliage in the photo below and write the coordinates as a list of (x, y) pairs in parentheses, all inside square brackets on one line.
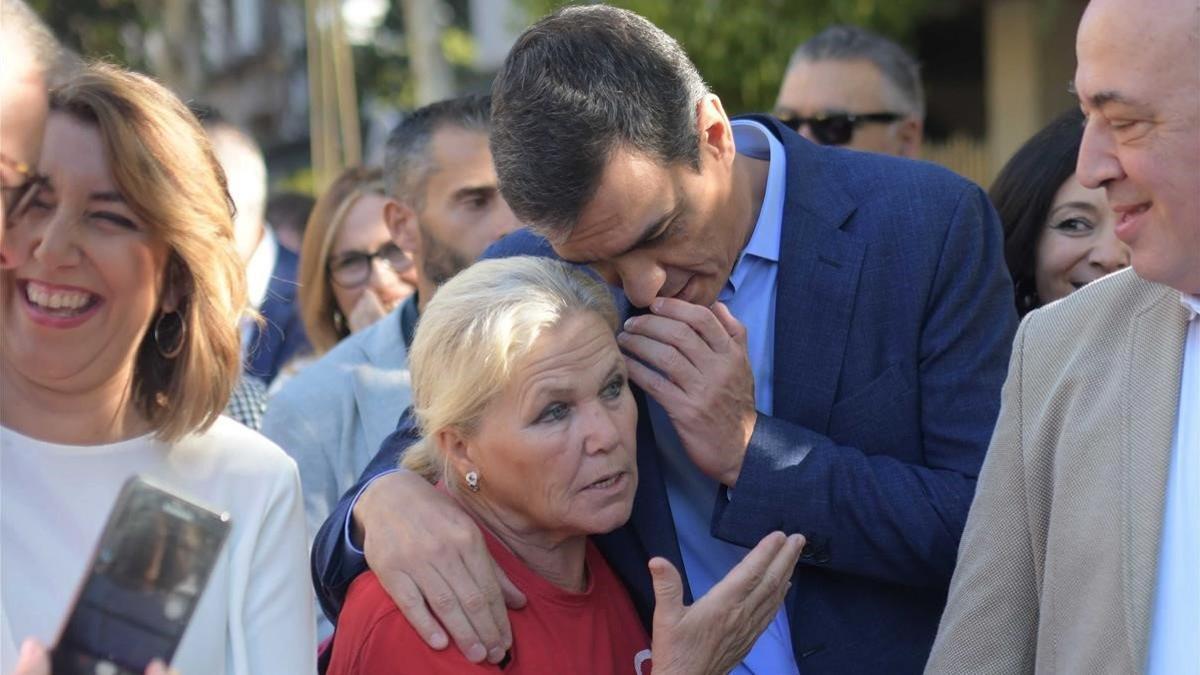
[(742, 46), (96, 28)]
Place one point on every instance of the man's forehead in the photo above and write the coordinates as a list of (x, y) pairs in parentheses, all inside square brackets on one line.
[(1115, 50), (832, 85)]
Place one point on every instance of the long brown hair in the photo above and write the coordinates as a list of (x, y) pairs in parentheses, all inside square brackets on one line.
[(318, 307), (165, 170)]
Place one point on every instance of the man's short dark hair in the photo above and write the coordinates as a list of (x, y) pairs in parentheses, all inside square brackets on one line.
[(851, 43), (406, 158), (576, 86)]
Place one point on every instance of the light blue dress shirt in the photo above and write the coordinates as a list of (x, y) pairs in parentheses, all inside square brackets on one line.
[(750, 296), (1175, 627)]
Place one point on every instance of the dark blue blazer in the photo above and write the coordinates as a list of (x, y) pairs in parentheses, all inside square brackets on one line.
[(281, 334), (894, 320)]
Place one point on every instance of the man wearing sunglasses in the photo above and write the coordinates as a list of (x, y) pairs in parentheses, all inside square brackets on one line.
[(848, 86), (446, 209), (31, 57)]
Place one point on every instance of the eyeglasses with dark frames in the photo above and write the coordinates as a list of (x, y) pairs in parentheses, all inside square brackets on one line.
[(835, 128), (354, 268), (18, 196)]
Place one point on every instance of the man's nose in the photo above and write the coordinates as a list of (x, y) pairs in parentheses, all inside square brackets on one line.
[(640, 281), (1097, 164)]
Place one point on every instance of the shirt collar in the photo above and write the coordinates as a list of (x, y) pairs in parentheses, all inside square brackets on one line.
[(1192, 303), (260, 268), (754, 140)]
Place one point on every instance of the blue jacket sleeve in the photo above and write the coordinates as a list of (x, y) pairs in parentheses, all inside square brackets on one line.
[(335, 560), (871, 514)]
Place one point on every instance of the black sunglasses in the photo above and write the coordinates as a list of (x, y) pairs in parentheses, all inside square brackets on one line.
[(835, 128), (17, 197), (353, 268)]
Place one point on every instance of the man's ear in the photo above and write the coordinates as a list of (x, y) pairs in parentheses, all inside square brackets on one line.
[(401, 223), (712, 124), (909, 134)]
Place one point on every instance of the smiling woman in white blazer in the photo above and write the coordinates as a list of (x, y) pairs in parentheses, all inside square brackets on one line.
[(119, 350)]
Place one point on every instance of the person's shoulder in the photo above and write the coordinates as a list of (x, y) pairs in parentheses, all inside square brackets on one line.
[(865, 174), (521, 242), (1101, 309), (329, 376), (367, 605), (873, 176), (237, 450), (374, 637)]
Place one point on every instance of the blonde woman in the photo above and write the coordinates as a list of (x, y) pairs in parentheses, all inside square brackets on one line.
[(351, 272), (528, 422), (120, 347)]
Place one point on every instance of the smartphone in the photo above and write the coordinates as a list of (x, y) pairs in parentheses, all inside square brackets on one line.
[(144, 581)]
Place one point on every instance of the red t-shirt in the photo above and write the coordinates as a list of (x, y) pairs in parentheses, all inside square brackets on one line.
[(597, 631)]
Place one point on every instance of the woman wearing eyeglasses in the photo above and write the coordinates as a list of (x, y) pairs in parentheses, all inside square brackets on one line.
[(351, 273)]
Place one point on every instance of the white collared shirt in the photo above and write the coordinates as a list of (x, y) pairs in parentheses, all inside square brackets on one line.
[(1175, 627)]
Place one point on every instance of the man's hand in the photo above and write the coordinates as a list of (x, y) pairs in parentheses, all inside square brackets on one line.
[(35, 660), (694, 362), (431, 557), (716, 632)]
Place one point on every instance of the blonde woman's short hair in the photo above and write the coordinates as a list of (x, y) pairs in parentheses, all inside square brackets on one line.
[(164, 167), (318, 306), (475, 332)]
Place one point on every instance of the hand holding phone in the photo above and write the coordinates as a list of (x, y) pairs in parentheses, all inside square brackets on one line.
[(35, 660), (145, 579)]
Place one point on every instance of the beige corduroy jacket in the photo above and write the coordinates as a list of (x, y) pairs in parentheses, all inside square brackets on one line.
[(1057, 565)]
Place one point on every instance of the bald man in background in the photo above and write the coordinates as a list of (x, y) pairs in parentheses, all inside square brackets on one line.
[(1082, 547)]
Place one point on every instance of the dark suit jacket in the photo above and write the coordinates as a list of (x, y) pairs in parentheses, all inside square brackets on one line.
[(893, 329), (281, 335)]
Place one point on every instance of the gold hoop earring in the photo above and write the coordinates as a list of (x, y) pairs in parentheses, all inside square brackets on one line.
[(180, 331)]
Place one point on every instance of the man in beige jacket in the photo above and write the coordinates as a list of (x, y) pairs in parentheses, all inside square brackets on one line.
[(1082, 550)]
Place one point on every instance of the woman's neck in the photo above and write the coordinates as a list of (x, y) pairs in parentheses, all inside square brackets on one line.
[(94, 415), (560, 560)]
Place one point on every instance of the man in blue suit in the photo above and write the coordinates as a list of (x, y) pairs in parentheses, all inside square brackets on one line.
[(818, 338)]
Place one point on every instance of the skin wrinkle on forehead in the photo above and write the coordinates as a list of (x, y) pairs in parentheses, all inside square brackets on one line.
[(552, 372)]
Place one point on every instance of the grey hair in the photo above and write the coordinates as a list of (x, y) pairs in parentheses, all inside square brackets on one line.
[(476, 331), (23, 24), (851, 43), (407, 162)]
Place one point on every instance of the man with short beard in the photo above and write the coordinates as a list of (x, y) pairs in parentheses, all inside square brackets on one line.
[(446, 209)]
